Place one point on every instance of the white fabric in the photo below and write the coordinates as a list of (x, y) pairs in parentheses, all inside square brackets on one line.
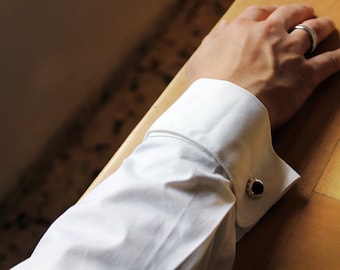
[(179, 201)]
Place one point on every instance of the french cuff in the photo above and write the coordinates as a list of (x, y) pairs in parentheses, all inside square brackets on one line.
[(233, 125)]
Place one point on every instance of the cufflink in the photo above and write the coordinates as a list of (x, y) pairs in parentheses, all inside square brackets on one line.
[(255, 188)]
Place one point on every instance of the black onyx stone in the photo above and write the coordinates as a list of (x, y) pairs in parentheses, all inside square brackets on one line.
[(257, 188)]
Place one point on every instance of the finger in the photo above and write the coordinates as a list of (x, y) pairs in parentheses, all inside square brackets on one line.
[(257, 13), (325, 64), (322, 26), (292, 15)]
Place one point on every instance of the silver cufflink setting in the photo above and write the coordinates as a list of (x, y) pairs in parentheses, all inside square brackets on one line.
[(255, 188)]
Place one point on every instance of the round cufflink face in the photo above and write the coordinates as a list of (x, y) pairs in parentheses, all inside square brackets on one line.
[(255, 188)]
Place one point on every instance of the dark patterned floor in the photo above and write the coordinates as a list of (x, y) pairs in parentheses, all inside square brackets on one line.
[(45, 192)]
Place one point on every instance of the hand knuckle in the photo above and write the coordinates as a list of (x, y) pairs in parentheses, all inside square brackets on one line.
[(335, 60)]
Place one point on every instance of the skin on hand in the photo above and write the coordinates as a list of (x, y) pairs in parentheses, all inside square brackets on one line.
[(258, 52)]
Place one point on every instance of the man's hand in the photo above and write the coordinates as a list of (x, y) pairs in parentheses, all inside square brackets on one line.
[(259, 52)]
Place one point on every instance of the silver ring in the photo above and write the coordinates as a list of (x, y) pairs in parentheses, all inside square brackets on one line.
[(312, 35)]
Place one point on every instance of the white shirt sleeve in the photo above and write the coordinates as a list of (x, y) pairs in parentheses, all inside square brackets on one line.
[(179, 201)]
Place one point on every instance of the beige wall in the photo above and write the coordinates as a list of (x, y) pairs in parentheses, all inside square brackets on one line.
[(54, 55)]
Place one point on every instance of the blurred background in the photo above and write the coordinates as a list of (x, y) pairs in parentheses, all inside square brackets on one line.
[(75, 78)]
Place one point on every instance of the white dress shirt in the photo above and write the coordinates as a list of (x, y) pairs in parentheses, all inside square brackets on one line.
[(179, 201)]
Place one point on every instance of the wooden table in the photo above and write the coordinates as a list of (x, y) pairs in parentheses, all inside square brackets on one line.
[(302, 231)]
